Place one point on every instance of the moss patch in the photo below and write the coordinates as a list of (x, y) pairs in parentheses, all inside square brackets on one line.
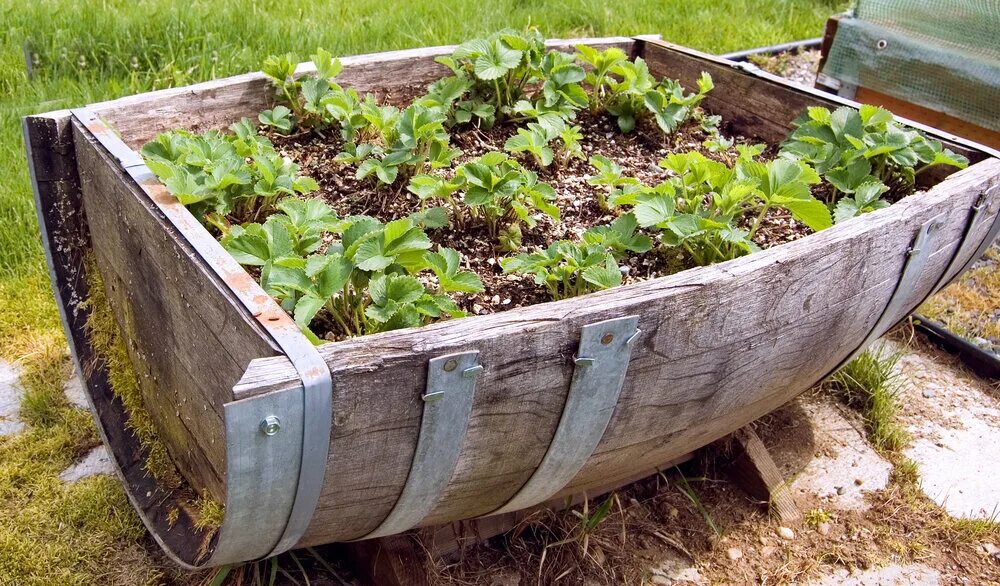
[(56, 533), (102, 329), (108, 344)]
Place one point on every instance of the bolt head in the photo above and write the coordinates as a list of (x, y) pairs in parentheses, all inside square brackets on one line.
[(270, 425), (450, 365), (607, 338)]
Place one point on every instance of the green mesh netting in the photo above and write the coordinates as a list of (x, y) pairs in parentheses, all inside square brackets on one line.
[(940, 54)]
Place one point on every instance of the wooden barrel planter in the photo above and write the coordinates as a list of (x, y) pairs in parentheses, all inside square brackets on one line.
[(466, 418)]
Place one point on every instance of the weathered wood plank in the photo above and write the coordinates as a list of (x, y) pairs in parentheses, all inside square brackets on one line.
[(761, 105), (216, 104), (66, 237), (755, 472), (722, 345), (188, 339)]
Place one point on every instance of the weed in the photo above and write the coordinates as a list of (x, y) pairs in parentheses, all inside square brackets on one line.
[(692, 496), (816, 517), (870, 384)]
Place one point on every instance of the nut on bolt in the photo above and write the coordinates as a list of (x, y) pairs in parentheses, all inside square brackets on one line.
[(270, 425)]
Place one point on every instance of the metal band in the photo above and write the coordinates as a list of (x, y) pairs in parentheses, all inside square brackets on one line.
[(895, 309), (601, 364), (451, 386), (981, 211), (305, 413)]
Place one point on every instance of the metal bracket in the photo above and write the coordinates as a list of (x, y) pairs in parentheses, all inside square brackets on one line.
[(895, 309), (981, 211), (451, 387), (306, 413), (601, 363)]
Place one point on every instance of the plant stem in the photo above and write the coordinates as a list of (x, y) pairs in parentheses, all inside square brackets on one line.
[(760, 218)]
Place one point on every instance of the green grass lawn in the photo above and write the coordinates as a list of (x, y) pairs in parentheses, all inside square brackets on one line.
[(83, 51)]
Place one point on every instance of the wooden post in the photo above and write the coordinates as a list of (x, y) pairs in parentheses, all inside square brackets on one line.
[(756, 473)]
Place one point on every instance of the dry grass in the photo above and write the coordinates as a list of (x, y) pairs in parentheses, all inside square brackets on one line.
[(968, 306)]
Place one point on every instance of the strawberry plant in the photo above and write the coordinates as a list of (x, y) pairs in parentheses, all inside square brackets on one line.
[(505, 195), (601, 63), (501, 75), (304, 96), (620, 237), (609, 174), (365, 281), (632, 93), (412, 141), (220, 177), (567, 268), (851, 147), (866, 198)]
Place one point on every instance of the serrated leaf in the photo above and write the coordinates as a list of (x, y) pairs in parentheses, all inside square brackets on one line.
[(604, 276)]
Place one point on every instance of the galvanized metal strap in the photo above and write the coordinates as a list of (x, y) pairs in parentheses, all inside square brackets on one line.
[(451, 387), (255, 525), (984, 207), (916, 258), (601, 364)]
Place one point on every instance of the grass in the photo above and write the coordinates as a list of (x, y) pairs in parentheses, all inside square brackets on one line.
[(870, 384), (968, 306), (87, 51)]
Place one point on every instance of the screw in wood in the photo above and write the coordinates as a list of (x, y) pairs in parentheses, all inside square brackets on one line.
[(607, 338), (450, 365)]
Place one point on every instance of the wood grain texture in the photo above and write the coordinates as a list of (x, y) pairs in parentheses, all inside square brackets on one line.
[(188, 339), (762, 105), (755, 472), (722, 345), (398, 75), (66, 238)]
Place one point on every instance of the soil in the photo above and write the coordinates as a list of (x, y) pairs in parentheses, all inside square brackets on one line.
[(637, 152)]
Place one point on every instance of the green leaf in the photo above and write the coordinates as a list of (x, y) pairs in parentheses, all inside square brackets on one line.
[(811, 212), (326, 66), (278, 117), (496, 61), (604, 276), (446, 266), (654, 210)]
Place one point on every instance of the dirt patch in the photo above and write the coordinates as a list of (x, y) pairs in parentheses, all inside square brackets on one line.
[(637, 152), (797, 66), (692, 525)]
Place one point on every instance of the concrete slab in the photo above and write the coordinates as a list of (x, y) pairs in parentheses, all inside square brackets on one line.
[(10, 399), (955, 422), (845, 465), (894, 575)]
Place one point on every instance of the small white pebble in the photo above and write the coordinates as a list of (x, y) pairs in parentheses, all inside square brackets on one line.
[(823, 528), (786, 533), (506, 301), (495, 299), (734, 553)]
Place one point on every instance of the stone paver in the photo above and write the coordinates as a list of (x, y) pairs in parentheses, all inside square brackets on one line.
[(10, 399), (74, 391), (98, 461)]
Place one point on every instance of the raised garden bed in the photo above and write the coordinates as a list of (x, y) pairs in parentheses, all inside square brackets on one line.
[(373, 435)]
